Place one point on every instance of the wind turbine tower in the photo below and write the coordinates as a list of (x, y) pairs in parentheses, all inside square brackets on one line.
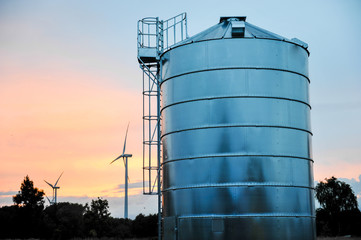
[(55, 190), (125, 161)]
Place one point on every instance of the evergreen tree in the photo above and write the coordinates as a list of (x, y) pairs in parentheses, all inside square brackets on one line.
[(30, 204), (29, 196)]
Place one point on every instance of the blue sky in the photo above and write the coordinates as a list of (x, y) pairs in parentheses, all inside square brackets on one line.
[(80, 58)]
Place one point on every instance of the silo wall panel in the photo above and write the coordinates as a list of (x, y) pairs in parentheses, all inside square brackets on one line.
[(227, 54), (236, 82), (257, 227)]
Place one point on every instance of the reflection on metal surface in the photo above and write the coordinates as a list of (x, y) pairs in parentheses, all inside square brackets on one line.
[(236, 135)]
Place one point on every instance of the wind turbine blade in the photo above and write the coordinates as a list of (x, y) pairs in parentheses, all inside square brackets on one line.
[(49, 184), (116, 159), (48, 199), (58, 179), (125, 140)]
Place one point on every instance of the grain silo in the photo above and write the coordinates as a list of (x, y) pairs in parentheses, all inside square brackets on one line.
[(234, 111)]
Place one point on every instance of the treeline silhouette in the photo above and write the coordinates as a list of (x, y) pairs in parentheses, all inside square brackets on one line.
[(28, 218), (71, 220)]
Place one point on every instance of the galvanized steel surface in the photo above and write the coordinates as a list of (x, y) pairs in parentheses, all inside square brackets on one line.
[(236, 134)]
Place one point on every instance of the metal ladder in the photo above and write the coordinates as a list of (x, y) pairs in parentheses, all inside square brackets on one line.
[(154, 38)]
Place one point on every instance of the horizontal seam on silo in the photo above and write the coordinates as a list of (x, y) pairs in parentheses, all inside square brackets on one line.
[(239, 184), (233, 126), (225, 97), (247, 215), (234, 68), (248, 38), (235, 155)]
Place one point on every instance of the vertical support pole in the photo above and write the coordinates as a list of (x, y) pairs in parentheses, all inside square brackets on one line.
[(143, 34), (126, 189), (185, 24), (158, 160), (167, 34), (159, 77), (181, 26), (158, 141), (174, 30), (149, 131), (157, 35), (143, 130)]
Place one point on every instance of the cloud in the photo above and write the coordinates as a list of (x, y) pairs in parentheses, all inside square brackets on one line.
[(6, 197), (7, 193), (355, 183), (131, 185)]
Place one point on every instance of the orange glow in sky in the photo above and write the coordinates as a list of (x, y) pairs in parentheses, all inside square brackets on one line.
[(54, 125)]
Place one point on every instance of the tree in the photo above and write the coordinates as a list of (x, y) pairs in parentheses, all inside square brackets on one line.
[(97, 218), (339, 213), (99, 208), (120, 228), (29, 196), (9, 222), (335, 196), (145, 226), (64, 220), (30, 204)]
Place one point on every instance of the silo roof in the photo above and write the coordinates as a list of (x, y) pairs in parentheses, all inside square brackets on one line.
[(237, 27)]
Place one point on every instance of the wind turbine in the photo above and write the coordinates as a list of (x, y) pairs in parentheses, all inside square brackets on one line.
[(125, 156), (55, 190)]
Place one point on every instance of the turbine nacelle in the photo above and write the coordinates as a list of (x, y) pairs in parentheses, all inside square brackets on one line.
[(121, 156)]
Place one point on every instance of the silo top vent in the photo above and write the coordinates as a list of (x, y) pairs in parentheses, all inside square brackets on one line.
[(242, 18)]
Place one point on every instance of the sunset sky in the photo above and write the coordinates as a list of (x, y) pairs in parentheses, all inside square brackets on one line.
[(70, 83)]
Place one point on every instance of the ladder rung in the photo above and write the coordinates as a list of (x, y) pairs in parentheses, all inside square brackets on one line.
[(150, 193), (150, 142), (150, 93), (150, 117), (150, 168)]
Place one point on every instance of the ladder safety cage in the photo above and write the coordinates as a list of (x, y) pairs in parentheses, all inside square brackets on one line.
[(149, 46), (153, 38), (151, 122)]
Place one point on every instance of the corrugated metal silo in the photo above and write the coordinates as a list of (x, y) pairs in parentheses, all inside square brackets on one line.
[(236, 134)]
